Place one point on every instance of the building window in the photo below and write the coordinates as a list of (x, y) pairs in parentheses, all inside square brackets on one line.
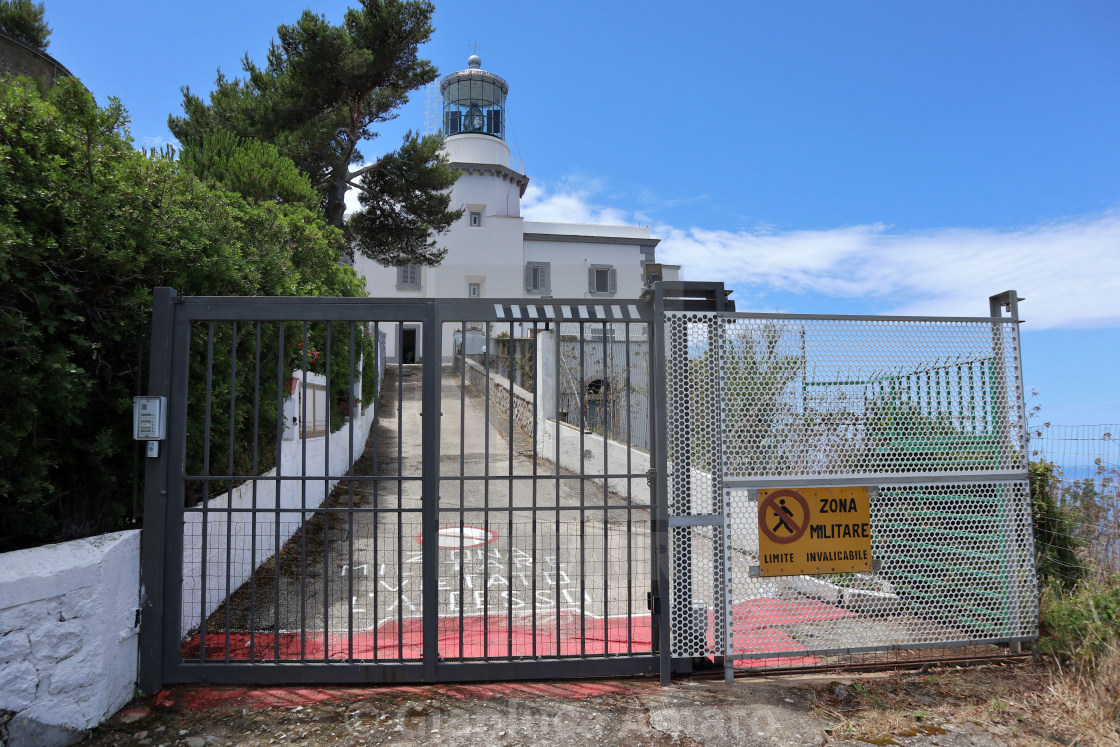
[(408, 276), (476, 219), (537, 278), (474, 290), (602, 280)]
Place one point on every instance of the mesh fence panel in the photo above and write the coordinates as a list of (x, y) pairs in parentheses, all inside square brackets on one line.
[(1086, 487), (927, 413), (955, 566), (838, 397)]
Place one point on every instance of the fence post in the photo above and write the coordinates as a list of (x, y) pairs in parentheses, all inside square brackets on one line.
[(996, 304), (150, 675), (658, 494), (430, 429)]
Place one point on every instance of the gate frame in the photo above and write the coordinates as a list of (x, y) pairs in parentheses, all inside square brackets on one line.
[(162, 542)]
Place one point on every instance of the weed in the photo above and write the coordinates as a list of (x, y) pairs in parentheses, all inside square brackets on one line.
[(997, 708), (1081, 624)]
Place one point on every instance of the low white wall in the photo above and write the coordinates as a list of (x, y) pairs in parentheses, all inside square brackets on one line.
[(241, 561), (68, 636), (595, 460)]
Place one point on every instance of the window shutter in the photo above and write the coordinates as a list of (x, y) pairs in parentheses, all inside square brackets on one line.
[(591, 280), (528, 278), (408, 276), (546, 281), (614, 280)]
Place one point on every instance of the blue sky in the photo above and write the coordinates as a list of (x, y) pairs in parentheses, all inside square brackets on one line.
[(851, 157)]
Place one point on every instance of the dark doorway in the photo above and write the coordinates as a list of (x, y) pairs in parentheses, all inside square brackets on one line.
[(408, 346)]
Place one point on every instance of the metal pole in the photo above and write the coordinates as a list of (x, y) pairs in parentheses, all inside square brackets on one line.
[(659, 508), (433, 356), (1009, 300), (155, 501)]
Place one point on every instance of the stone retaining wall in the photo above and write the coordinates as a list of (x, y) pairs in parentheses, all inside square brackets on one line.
[(68, 637), (499, 394)]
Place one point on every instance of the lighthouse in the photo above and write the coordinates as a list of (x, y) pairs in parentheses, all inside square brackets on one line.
[(474, 124), (492, 251)]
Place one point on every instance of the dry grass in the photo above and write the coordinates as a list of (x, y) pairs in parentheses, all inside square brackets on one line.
[(1024, 704), (1087, 699)]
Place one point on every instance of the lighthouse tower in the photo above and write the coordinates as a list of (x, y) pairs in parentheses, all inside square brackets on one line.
[(492, 252), (474, 125)]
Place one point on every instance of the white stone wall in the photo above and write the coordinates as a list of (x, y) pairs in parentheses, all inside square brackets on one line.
[(68, 636), (240, 546), (595, 460)]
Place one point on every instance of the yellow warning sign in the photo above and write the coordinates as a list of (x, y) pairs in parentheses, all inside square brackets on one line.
[(814, 530)]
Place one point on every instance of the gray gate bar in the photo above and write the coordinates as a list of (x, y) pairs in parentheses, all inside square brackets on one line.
[(430, 417), (907, 478)]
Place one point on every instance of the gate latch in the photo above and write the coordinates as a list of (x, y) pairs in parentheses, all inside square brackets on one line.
[(651, 478), (653, 603)]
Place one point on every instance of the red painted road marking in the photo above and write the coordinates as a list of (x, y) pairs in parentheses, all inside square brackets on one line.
[(771, 504), (234, 697), (756, 628)]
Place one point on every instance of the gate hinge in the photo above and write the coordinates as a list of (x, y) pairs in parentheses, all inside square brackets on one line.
[(653, 603)]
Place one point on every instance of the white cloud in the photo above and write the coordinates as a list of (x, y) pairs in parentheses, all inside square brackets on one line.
[(571, 203), (1068, 270)]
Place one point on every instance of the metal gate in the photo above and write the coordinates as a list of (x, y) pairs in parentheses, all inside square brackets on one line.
[(567, 488), (925, 413), (323, 511)]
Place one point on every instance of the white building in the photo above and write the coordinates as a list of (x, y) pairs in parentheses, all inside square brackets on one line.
[(492, 252)]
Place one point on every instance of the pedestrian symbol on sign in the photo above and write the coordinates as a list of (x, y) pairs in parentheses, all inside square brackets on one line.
[(782, 513), (792, 519)]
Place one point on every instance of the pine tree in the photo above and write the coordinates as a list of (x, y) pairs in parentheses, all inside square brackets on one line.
[(23, 20), (255, 170), (323, 91)]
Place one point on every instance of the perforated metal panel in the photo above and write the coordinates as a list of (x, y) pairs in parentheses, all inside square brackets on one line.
[(823, 397), (955, 566), (927, 413), (696, 502)]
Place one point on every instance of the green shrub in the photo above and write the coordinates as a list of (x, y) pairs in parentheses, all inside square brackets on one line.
[(1079, 625), (88, 226)]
